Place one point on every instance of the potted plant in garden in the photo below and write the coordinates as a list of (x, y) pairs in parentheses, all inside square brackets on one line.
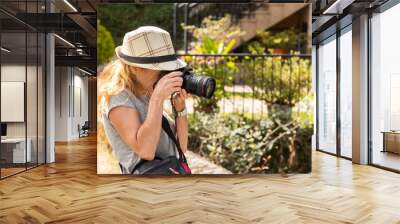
[(214, 36)]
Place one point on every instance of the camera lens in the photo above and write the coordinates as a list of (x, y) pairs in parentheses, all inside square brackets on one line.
[(198, 85), (202, 86)]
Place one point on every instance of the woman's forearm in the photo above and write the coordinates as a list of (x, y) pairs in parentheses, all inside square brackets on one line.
[(148, 134), (182, 131)]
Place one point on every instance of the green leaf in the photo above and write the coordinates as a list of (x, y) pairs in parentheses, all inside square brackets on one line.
[(229, 46), (220, 47), (209, 45)]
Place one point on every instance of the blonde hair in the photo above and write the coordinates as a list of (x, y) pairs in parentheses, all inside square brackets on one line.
[(115, 77)]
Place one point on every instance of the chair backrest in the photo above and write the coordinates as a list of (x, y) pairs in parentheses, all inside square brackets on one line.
[(86, 125)]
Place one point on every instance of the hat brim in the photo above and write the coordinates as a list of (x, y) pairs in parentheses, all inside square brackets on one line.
[(163, 66)]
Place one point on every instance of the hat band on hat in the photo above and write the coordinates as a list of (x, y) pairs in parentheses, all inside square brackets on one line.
[(148, 60)]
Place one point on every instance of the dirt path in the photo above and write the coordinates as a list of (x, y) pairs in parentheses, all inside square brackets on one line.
[(201, 165)]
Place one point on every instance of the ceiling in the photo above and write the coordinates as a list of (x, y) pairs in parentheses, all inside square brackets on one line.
[(333, 14), (74, 22)]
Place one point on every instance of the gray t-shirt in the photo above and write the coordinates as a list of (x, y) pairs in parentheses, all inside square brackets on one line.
[(126, 155)]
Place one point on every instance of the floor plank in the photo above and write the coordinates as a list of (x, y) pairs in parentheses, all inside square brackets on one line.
[(70, 191)]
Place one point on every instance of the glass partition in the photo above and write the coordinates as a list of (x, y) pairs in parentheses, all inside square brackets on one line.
[(35, 87), (14, 153), (31, 97), (327, 95), (22, 90), (41, 110), (346, 92)]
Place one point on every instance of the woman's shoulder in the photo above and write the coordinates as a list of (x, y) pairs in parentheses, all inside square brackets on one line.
[(124, 97), (125, 93)]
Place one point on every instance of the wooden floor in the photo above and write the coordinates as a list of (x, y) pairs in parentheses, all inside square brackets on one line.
[(70, 191), (387, 159), (11, 170)]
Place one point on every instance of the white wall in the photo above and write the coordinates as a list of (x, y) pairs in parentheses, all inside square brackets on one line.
[(359, 88), (70, 83), (12, 73), (33, 126), (61, 103), (50, 95), (79, 117)]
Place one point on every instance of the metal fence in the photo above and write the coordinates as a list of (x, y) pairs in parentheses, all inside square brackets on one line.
[(250, 84)]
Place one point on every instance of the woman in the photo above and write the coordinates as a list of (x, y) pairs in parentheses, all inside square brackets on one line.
[(132, 93)]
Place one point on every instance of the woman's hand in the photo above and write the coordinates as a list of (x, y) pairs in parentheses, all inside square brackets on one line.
[(178, 100), (182, 127), (167, 85)]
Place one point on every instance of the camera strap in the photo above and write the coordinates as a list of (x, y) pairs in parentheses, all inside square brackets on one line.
[(167, 128)]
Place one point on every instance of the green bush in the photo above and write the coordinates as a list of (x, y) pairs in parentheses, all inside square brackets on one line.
[(105, 44), (278, 80), (288, 39), (214, 36), (278, 144), (221, 69), (282, 81), (122, 18)]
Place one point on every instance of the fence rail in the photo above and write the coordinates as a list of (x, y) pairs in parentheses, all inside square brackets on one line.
[(251, 83), (247, 54)]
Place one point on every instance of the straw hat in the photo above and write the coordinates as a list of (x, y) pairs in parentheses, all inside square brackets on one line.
[(149, 47)]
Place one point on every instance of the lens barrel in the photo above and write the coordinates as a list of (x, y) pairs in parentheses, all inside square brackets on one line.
[(198, 85), (203, 86)]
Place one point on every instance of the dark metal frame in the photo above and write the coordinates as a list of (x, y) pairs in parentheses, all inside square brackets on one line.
[(316, 97), (369, 90), (338, 98)]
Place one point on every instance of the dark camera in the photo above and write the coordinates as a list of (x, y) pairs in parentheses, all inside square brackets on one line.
[(198, 85)]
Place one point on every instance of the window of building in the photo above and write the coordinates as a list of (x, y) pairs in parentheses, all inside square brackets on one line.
[(385, 89), (327, 95), (346, 92)]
